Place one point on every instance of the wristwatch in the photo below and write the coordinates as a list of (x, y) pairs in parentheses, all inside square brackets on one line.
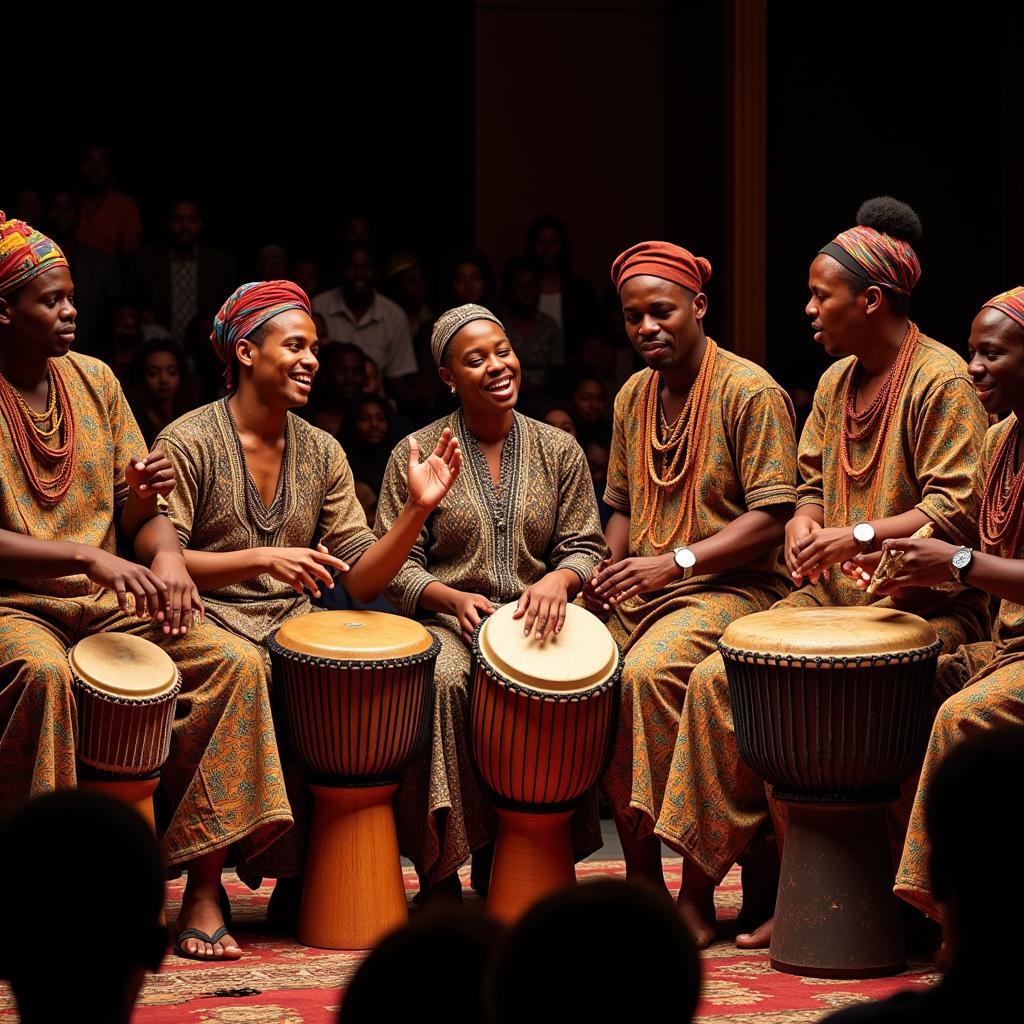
[(864, 535), (686, 560), (960, 563)]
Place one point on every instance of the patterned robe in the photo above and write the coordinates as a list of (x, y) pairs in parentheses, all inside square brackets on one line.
[(751, 464), (217, 507), (223, 777), (714, 803), (986, 680), (543, 518)]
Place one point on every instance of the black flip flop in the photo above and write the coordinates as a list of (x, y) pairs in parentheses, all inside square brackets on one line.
[(196, 933)]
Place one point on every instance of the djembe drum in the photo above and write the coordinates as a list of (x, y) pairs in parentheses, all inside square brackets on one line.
[(125, 689), (833, 706), (541, 722), (357, 690)]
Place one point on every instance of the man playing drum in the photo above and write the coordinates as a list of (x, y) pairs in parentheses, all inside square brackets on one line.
[(266, 507), (892, 443), (73, 472), (701, 477)]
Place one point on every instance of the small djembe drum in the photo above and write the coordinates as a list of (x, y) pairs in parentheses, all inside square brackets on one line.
[(357, 690), (125, 689), (541, 722), (833, 706)]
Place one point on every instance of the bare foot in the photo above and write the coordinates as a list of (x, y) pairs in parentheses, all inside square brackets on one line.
[(200, 909), (701, 921), (759, 938)]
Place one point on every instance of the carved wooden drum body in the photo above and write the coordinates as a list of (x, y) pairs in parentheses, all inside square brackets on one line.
[(542, 718), (832, 706), (126, 689), (357, 688)]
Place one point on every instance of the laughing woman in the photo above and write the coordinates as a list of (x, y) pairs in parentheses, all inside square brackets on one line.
[(521, 525)]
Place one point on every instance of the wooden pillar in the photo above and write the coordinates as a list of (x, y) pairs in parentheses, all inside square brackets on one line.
[(747, 195)]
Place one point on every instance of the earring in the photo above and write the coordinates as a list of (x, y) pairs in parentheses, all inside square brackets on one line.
[(454, 392)]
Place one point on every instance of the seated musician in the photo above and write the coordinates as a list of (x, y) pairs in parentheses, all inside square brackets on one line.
[(521, 524), (74, 471), (892, 442), (266, 508), (985, 679), (701, 478)]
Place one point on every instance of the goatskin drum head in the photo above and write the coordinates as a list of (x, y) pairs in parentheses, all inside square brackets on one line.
[(354, 636), (123, 665)]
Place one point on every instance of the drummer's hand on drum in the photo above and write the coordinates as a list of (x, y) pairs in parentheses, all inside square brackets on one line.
[(543, 606), (429, 480), (469, 609), (148, 592), (638, 575), (150, 474), (821, 549), (301, 568), (181, 605), (925, 563), (595, 603)]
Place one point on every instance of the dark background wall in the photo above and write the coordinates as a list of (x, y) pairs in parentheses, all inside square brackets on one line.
[(465, 121)]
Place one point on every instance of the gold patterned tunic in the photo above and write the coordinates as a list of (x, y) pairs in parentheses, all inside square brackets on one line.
[(223, 777), (543, 517), (714, 803), (217, 507), (986, 680), (751, 464)]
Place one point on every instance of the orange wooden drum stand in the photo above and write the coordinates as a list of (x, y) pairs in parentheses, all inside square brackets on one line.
[(833, 706), (126, 689), (357, 687), (541, 722)]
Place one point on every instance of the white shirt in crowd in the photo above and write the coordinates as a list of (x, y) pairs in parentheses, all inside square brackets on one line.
[(382, 332)]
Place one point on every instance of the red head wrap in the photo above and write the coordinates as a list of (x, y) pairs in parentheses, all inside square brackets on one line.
[(662, 259), (24, 252), (1011, 303), (881, 258)]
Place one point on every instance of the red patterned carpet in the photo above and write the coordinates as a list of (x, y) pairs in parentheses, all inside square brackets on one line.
[(284, 983)]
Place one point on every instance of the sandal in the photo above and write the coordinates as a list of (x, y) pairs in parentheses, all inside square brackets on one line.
[(196, 933)]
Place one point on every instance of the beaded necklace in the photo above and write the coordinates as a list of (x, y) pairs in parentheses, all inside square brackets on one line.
[(677, 459), (30, 435), (874, 419), (1001, 516)]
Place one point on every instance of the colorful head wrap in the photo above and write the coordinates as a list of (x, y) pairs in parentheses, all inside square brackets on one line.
[(876, 257), (24, 252), (249, 307), (449, 324), (1011, 303), (662, 259)]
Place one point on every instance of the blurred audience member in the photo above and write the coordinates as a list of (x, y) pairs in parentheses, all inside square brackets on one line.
[(28, 206), (597, 453), (157, 393), (174, 280), (109, 220), (339, 381), (357, 229), (367, 498), (81, 863), (368, 438), (406, 284), (536, 338), (356, 312), (466, 277), (121, 336), (97, 283), (558, 414), (398, 981), (306, 274), (272, 264), (966, 819), (569, 300), (543, 972), (321, 329), (589, 401)]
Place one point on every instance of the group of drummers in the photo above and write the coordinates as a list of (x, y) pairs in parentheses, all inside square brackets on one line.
[(243, 512)]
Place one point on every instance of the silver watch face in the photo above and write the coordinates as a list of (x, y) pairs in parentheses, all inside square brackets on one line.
[(961, 559), (863, 533), (685, 558)]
